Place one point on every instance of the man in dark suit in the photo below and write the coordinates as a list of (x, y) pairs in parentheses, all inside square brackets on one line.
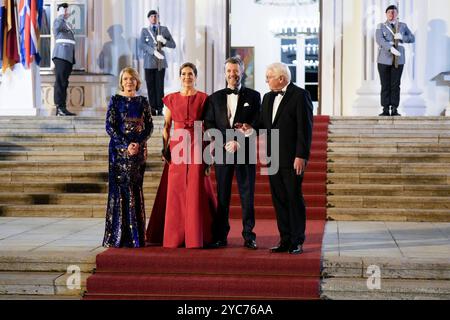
[(288, 109), (228, 110), (152, 41)]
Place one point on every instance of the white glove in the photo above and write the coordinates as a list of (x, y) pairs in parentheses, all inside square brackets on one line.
[(158, 55), (398, 36), (395, 52), (161, 39)]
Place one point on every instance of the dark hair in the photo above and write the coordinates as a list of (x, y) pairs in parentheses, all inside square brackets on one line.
[(62, 5), (236, 60), (391, 7), (152, 12), (188, 65)]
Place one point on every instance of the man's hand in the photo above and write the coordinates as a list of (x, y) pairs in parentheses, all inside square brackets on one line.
[(232, 147), (398, 36), (395, 52), (299, 166), (245, 129), (133, 149), (161, 39), (158, 55)]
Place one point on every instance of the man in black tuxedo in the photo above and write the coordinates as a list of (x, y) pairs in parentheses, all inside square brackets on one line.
[(288, 109), (228, 110)]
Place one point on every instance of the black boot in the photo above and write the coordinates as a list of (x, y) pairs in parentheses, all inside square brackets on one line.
[(61, 111), (385, 112), (395, 113)]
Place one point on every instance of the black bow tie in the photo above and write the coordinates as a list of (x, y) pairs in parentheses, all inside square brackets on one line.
[(276, 93), (229, 91)]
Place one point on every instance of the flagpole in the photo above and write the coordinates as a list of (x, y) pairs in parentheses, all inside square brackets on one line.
[(16, 13)]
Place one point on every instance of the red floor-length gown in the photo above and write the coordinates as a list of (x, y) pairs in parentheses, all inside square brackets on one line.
[(185, 202)]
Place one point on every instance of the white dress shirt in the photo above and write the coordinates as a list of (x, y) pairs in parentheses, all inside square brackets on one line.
[(277, 102), (232, 101)]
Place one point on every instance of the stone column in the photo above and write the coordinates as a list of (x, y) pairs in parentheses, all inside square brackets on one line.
[(368, 101)]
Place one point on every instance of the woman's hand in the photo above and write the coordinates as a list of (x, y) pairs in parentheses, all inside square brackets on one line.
[(133, 149)]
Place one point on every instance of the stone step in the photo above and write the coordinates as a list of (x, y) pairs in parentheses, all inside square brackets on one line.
[(20, 165), (150, 186), (56, 211), (153, 146), (80, 176), (388, 179), (388, 202), (378, 127), (396, 168), (59, 199), (60, 155), (388, 130), (388, 147), (391, 268), (388, 190), (390, 289), (39, 283), (381, 158), (393, 137), (97, 138), (385, 120), (26, 261), (399, 215)]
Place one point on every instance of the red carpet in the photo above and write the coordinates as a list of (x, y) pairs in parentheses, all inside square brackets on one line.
[(233, 272)]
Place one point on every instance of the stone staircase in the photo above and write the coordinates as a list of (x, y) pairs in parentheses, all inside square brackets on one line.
[(58, 167), (389, 169)]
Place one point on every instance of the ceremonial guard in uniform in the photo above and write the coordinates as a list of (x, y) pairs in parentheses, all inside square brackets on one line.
[(63, 58), (391, 59), (153, 39)]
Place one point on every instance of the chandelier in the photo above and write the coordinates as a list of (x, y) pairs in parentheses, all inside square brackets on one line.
[(285, 3), (293, 28)]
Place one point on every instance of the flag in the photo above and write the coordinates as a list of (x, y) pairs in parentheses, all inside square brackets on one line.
[(30, 18), (2, 28), (10, 46)]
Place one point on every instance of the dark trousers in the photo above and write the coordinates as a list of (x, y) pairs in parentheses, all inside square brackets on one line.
[(63, 69), (155, 87), (390, 77), (287, 197), (245, 175)]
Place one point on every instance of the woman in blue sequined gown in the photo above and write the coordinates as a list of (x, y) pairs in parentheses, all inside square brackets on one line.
[(129, 124)]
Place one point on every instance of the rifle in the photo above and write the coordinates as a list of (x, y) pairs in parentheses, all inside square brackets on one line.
[(396, 42), (159, 44)]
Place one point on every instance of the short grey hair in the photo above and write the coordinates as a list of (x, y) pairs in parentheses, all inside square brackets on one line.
[(280, 69)]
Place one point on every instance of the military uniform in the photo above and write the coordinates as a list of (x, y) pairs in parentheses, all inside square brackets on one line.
[(390, 76), (154, 77), (64, 59)]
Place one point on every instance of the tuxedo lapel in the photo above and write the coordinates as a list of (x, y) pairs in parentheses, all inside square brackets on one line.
[(270, 100), (240, 106), (284, 102), (223, 105)]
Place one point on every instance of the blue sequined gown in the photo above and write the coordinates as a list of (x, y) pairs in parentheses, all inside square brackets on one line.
[(128, 120)]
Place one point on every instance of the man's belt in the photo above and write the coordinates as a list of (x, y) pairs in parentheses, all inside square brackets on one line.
[(66, 41)]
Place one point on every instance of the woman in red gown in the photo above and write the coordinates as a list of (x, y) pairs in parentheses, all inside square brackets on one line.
[(185, 200)]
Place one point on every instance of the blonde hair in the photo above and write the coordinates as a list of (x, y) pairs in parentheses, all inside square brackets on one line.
[(133, 73)]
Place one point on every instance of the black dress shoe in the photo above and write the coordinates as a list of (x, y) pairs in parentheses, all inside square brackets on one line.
[(217, 244), (250, 244), (394, 113), (385, 113), (298, 249), (62, 112), (282, 247)]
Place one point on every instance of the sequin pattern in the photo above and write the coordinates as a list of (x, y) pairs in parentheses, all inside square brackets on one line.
[(128, 120)]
